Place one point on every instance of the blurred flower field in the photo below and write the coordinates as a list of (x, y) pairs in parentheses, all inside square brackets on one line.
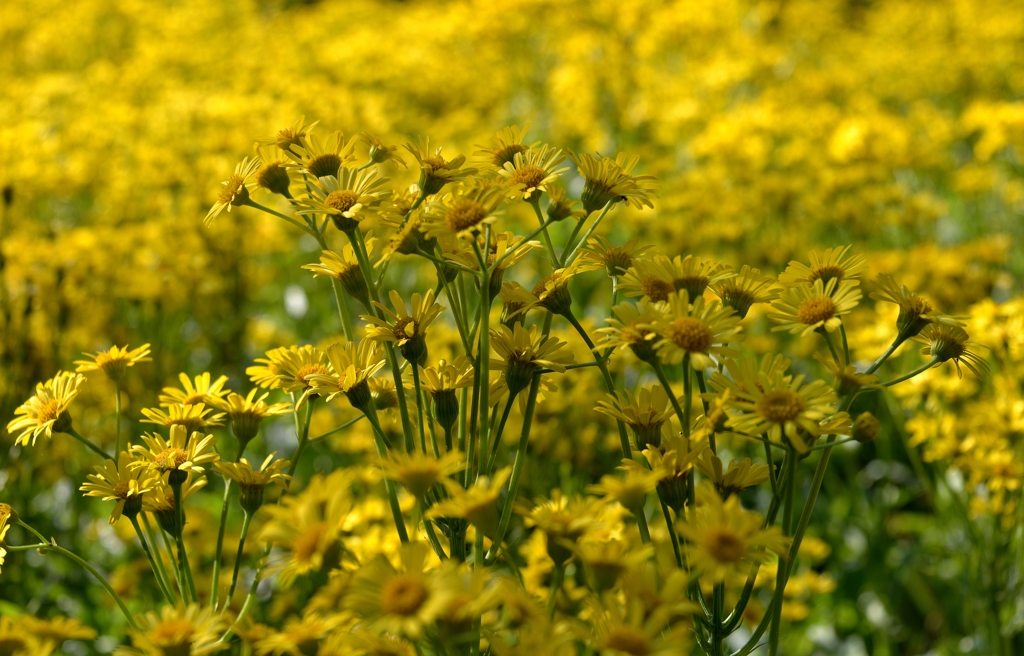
[(772, 129)]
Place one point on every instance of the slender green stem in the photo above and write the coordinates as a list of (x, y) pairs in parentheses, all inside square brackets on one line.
[(783, 569), (215, 585), (831, 347), (483, 361), (572, 237), (771, 468), (497, 436), (431, 535), (586, 235), (736, 616), (419, 406), (535, 204), (179, 521), (247, 517), (885, 356), (51, 545), (717, 612), (829, 445), (699, 375), (178, 576), (100, 452), (520, 244), (157, 554), (117, 418), (303, 437), (283, 217), (659, 371), (672, 534), (846, 343), (339, 300), (920, 370), (557, 575), (336, 430), (389, 485), (152, 561), (246, 605)]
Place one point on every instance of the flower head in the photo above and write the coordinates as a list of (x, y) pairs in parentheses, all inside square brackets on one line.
[(288, 138), (695, 331), (552, 292), (505, 145), (189, 417), (944, 343), (630, 490), (380, 152), (743, 290), (533, 172), (646, 413), (738, 477), (616, 260), (834, 264), (560, 207), (671, 463), (407, 328), (631, 328), (114, 361), (122, 483), (805, 308), (181, 454), (46, 412), (320, 158), (344, 266), (915, 311), (648, 279), (464, 212), (345, 197), (441, 382), (419, 472), (477, 505), (287, 368), (202, 391), (252, 482), (352, 365), (435, 170), (608, 180), (235, 190), (521, 352), (180, 630), (248, 412), (275, 174)]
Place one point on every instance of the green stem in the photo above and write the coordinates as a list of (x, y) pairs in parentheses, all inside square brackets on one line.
[(431, 535), (100, 452), (419, 406), (304, 228), (586, 235), (179, 521), (497, 436), (179, 578), (783, 567), (303, 437), (535, 204), (484, 354), (117, 417), (557, 575), (717, 612), (920, 370), (215, 591), (152, 561), (247, 517), (389, 485), (885, 356), (52, 545), (699, 375), (336, 430), (831, 347), (672, 534), (659, 371), (846, 344), (151, 535), (339, 300)]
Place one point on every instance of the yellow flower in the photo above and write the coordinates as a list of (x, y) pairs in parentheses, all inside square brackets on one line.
[(647, 279), (944, 343), (533, 172), (522, 352), (646, 413), (777, 404), (160, 500), (46, 412), (563, 521), (607, 560), (608, 180), (13, 636), (833, 264), (441, 382), (477, 505), (344, 266), (631, 328), (464, 212), (289, 137), (248, 413), (379, 152), (179, 630), (915, 311), (805, 308), (57, 630), (406, 328), (178, 454), (632, 631), (630, 491), (739, 477), (301, 636), (505, 251), (697, 331), (352, 365), (692, 274), (723, 538), (345, 197), (398, 602), (846, 380), (746, 288), (560, 207), (203, 391), (552, 292), (419, 472), (275, 174), (190, 417), (435, 170), (114, 361), (616, 260), (235, 190), (671, 464), (120, 482), (287, 368), (253, 482), (505, 145), (321, 158)]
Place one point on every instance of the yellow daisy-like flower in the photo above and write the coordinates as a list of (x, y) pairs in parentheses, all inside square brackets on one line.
[(301, 636), (552, 292), (13, 636), (352, 365), (505, 145), (944, 343), (435, 170), (321, 158), (915, 311), (253, 482), (505, 251), (692, 274), (632, 630), (608, 180), (380, 152), (477, 505), (833, 264), (419, 472), (181, 453), (190, 417), (616, 260), (287, 138), (6, 513), (741, 291), (563, 521), (645, 278), (671, 464), (160, 500), (202, 391), (521, 352), (344, 266), (631, 328), (846, 380), (235, 191), (177, 630), (275, 174), (248, 412), (607, 560), (402, 602), (738, 477), (560, 207), (697, 331), (46, 412), (533, 172), (346, 197), (804, 308), (630, 490), (57, 630), (407, 328), (723, 539), (464, 212), (120, 482), (441, 382), (286, 368), (777, 404), (114, 361), (646, 413)]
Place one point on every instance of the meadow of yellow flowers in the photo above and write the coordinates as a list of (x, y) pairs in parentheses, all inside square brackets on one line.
[(708, 225)]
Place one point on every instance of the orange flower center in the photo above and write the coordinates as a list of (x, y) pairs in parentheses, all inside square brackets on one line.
[(780, 406), (529, 176), (464, 214), (691, 335), (403, 595), (656, 289), (309, 370), (49, 411), (226, 195), (723, 545), (341, 200), (814, 310)]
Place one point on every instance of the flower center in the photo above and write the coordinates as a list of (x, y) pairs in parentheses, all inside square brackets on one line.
[(780, 406), (917, 306), (694, 285), (436, 162), (309, 370), (656, 289), (226, 195), (507, 154), (49, 411), (403, 595), (406, 328), (691, 335), (617, 260), (723, 545), (324, 165), (287, 138), (341, 200), (465, 214), (826, 272), (121, 490), (308, 543), (173, 633), (815, 310), (172, 458), (529, 176), (629, 640)]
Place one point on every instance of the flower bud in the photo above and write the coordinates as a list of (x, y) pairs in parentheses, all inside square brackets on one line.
[(866, 427)]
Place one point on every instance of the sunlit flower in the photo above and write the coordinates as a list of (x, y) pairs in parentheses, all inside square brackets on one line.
[(235, 190), (671, 464), (608, 180), (746, 288), (522, 352), (691, 274), (287, 368), (287, 138), (407, 328), (552, 292), (804, 308), (697, 331), (160, 500), (352, 365), (505, 145), (419, 472), (738, 477), (616, 260), (182, 453), (915, 311), (380, 152), (441, 382), (248, 412), (346, 197), (533, 172), (944, 343), (644, 278), (563, 521), (253, 482), (344, 266), (190, 417), (177, 630), (560, 207), (646, 413), (632, 631), (477, 505), (463, 212), (632, 328), (203, 391), (114, 361), (122, 483), (46, 412), (320, 158), (834, 264), (435, 170)]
